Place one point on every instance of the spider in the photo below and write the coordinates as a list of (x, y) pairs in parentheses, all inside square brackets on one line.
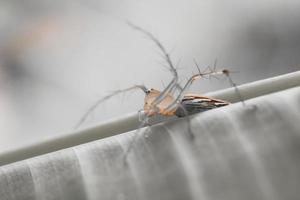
[(165, 102)]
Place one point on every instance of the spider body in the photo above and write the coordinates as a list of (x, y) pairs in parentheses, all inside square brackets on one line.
[(165, 102)]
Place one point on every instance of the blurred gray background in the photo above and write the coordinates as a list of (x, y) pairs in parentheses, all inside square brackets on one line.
[(58, 57)]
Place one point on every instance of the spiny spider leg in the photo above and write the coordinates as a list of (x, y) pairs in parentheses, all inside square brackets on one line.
[(233, 84), (174, 81), (136, 133), (96, 104), (227, 73)]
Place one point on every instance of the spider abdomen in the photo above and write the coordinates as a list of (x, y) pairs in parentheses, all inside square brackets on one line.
[(194, 103)]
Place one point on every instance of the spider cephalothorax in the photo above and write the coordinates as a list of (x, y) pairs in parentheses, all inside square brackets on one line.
[(161, 107)]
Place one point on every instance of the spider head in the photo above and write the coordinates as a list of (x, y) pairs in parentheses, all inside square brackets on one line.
[(152, 91), (148, 91)]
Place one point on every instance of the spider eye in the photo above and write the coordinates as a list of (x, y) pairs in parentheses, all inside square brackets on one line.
[(225, 71)]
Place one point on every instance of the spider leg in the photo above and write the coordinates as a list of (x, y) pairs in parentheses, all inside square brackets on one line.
[(234, 85), (167, 58), (99, 101), (188, 119), (132, 142), (227, 73)]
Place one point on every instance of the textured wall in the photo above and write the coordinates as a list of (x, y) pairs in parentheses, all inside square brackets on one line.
[(238, 153)]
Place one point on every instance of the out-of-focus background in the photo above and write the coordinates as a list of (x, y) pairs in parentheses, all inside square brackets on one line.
[(58, 57)]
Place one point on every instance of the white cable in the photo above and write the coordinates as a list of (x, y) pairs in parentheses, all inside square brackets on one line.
[(130, 122)]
